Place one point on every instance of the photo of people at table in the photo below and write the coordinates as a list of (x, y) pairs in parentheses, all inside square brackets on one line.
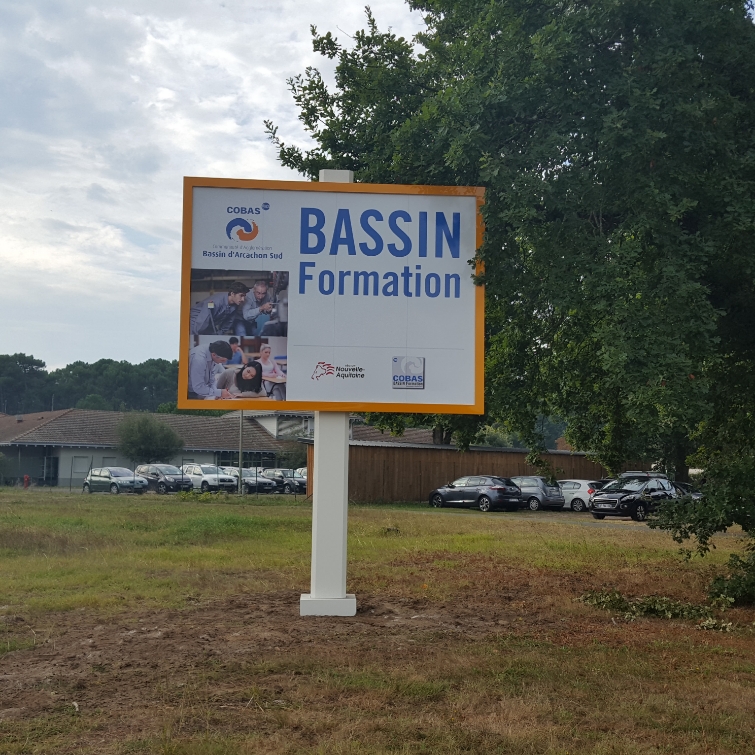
[(238, 334)]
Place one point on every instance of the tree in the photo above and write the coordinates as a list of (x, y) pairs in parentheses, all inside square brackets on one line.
[(23, 384), (615, 142), (130, 387), (144, 439), (613, 139), (93, 401)]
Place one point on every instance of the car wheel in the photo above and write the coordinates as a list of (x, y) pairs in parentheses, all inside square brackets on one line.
[(162, 488), (598, 516), (205, 486), (640, 513), (86, 489), (437, 501), (533, 504), (577, 505), (114, 489), (484, 503), (287, 489)]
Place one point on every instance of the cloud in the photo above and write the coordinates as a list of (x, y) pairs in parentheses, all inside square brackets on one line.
[(105, 109)]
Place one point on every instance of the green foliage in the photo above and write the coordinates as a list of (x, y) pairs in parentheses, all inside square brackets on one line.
[(144, 440), (94, 401), (23, 384), (192, 496), (653, 605), (614, 142), (26, 386), (739, 586), (292, 456), (125, 386)]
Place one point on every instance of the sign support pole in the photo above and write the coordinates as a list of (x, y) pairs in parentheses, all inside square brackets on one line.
[(241, 452), (330, 500)]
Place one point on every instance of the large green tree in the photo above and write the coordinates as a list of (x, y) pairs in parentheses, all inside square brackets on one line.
[(615, 142)]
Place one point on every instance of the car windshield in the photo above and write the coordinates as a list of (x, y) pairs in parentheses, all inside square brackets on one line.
[(249, 473), (299, 474), (168, 469), (207, 469), (121, 472), (501, 481), (630, 484)]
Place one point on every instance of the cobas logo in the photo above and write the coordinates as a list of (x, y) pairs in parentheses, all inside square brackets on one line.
[(408, 372), (240, 229)]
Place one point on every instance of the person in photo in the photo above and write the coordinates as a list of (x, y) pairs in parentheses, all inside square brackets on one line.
[(217, 313), (238, 355), (243, 383), (255, 311), (272, 375), (203, 363)]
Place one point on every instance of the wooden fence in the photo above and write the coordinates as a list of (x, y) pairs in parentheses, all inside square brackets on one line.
[(409, 473)]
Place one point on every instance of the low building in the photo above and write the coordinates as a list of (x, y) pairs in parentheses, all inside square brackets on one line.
[(58, 448)]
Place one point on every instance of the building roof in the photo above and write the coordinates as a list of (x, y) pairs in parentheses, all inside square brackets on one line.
[(419, 437), (89, 428), (11, 428), (411, 436)]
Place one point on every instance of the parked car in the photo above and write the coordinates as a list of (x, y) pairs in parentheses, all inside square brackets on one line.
[(303, 472), (538, 493), (685, 489), (484, 492), (164, 478), (577, 493), (115, 479), (288, 480), (208, 477), (633, 494), (253, 482), (600, 484)]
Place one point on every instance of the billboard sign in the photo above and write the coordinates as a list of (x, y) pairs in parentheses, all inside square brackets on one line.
[(331, 297)]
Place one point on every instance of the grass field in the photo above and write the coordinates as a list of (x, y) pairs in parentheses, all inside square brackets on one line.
[(152, 625)]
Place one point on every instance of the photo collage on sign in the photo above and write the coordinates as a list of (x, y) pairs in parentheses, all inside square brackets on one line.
[(238, 334)]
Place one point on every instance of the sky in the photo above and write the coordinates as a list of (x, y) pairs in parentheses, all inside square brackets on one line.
[(105, 107)]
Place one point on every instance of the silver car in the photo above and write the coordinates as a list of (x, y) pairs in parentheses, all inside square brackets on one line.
[(578, 493), (538, 493)]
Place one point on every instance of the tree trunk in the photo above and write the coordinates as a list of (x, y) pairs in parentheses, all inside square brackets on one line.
[(442, 437)]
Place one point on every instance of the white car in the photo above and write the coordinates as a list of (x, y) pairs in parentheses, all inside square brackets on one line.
[(578, 493), (206, 477)]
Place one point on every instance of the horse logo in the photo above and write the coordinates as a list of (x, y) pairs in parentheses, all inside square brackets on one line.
[(322, 369)]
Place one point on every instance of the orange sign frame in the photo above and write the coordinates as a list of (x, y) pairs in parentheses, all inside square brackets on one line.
[(190, 183)]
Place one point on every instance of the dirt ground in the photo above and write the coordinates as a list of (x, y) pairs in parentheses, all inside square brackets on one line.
[(247, 674)]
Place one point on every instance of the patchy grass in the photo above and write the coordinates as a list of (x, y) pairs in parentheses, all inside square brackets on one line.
[(154, 625)]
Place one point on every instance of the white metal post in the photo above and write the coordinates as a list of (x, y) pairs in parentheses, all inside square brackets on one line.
[(330, 500)]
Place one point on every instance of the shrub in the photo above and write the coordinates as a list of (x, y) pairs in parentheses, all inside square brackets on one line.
[(739, 586)]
